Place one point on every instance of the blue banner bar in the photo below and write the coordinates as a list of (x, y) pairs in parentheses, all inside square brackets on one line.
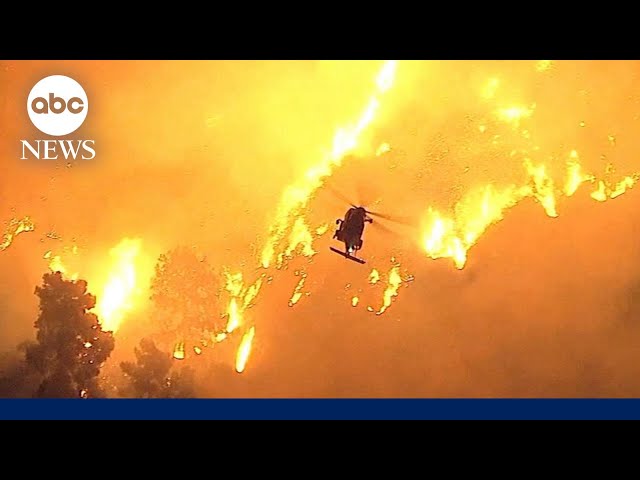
[(317, 409)]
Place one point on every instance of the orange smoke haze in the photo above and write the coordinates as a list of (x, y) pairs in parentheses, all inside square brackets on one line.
[(514, 274)]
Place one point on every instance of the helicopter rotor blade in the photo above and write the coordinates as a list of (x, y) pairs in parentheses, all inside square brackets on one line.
[(338, 195), (401, 220), (383, 228)]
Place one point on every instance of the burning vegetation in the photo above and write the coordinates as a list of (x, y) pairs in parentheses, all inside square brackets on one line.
[(186, 309)]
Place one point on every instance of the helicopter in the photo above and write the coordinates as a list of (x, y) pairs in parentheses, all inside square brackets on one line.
[(350, 230)]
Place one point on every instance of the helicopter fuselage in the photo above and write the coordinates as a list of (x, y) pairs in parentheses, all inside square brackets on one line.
[(351, 228)]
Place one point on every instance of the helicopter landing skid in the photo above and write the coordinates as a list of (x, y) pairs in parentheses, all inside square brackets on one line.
[(345, 255)]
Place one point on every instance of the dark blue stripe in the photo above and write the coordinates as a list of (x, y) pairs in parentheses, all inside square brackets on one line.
[(339, 409)]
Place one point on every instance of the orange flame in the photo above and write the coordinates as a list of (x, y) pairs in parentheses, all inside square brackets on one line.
[(296, 196), (382, 149), (178, 351), (374, 277), (244, 350), (289, 222), (121, 287), (57, 265), (14, 228), (393, 284), (241, 299), (446, 237), (297, 293)]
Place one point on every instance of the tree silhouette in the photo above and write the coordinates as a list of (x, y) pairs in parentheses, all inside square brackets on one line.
[(70, 346), (185, 292), (150, 376), (17, 380)]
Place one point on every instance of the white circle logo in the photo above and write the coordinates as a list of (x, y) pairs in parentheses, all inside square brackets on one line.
[(57, 105)]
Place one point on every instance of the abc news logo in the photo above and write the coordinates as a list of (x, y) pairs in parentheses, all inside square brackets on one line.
[(57, 106)]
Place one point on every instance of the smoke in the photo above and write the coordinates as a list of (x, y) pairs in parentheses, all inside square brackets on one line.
[(193, 153)]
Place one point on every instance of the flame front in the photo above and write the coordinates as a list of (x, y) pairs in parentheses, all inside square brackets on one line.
[(244, 350), (296, 196), (289, 232), (453, 236)]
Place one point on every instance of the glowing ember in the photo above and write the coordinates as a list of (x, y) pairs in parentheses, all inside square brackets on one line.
[(374, 277), (244, 350), (515, 114), (354, 301), (322, 229), (220, 337), (178, 351), (382, 149)]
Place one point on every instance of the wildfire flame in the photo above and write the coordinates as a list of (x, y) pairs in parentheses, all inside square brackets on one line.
[(120, 287), (374, 277), (289, 222), (297, 293), (382, 149), (452, 237), (393, 284), (244, 350), (233, 313), (575, 175), (241, 299), (57, 265), (179, 351), (116, 298), (14, 228), (322, 229), (296, 196), (515, 114)]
